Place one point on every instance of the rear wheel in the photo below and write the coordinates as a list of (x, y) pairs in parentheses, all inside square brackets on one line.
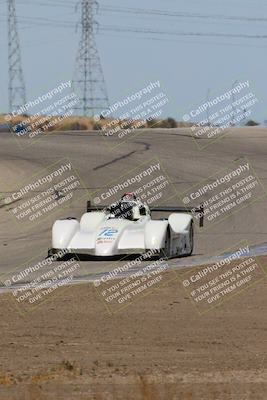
[(191, 239), (166, 251)]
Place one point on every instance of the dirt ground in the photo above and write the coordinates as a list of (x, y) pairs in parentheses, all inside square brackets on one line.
[(159, 347)]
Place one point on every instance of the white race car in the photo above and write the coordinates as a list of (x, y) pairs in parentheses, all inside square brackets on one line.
[(126, 227)]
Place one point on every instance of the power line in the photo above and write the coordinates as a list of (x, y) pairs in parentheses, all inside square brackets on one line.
[(70, 24), (175, 33), (150, 12), (172, 14), (186, 41)]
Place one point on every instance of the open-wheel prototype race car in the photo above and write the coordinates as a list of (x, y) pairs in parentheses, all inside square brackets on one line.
[(126, 227)]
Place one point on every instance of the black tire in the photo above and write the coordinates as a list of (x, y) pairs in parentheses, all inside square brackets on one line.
[(191, 239), (50, 253), (53, 253), (166, 251)]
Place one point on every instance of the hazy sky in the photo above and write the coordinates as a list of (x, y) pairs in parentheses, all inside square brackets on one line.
[(185, 65)]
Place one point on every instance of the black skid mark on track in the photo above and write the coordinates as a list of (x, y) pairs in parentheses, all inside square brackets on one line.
[(146, 148), (145, 144), (114, 160)]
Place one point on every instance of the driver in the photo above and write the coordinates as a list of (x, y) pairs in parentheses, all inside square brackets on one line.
[(128, 207)]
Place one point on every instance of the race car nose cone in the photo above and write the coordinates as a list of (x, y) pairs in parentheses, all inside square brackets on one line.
[(106, 241)]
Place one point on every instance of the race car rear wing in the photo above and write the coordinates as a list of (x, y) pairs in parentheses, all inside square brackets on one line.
[(198, 212)]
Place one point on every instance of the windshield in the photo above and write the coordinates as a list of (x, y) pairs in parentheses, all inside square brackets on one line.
[(122, 210)]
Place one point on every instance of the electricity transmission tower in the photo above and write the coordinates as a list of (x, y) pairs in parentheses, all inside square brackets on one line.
[(16, 86), (233, 106), (89, 83)]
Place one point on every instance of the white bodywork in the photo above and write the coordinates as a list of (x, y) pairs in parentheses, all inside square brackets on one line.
[(98, 234)]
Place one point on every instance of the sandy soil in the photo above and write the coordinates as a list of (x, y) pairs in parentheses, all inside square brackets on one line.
[(157, 348)]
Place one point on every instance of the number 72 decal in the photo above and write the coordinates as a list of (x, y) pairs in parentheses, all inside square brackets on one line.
[(108, 232)]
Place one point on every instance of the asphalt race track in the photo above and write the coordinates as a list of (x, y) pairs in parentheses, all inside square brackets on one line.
[(100, 160)]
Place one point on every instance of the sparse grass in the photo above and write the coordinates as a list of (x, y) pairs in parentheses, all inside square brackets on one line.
[(68, 365), (6, 380), (77, 123)]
